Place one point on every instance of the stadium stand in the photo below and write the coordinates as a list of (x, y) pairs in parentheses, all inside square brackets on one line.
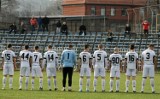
[(60, 41)]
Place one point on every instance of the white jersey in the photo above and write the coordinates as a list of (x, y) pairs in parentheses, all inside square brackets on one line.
[(51, 58), (36, 57), (8, 56), (148, 56), (131, 59), (99, 59), (25, 55), (115, 60), (85, 58)]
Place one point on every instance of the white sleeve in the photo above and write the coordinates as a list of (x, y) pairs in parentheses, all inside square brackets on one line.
[(2, 55), (40, 55), (126, 55)]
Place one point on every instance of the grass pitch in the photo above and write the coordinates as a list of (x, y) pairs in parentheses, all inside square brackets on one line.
[(75, 94)]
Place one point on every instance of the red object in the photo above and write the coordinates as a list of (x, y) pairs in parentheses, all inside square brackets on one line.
[(33, 21), (145, 25)]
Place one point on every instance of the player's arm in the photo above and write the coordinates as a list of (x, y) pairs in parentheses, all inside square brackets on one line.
[(90, 62), (106, 62), (125, 64), (56, 60), (14, 62), (93, 62), (30, 61), (121, 65), (155, 62), (2, 62), (80, 63)]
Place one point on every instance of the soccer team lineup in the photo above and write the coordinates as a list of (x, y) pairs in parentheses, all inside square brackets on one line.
[(32, 65)]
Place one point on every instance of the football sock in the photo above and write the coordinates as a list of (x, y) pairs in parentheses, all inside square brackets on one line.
[(20, 82), (134, 85), (88, 84), (80, 83), (95, 84), (27, 80), (32, 82), (41, 82), (103, 84), (117, 84), (152, 83), (143, 83), (49, 83), (111, 84), (4, 82), (55, 83), (127, 84), (10, 82)]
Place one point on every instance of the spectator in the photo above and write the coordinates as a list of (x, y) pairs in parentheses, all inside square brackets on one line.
[(23, 27), (33, 23), (110, 35), (45, 22), (39, 23), (127, 30), (58, 25), (145, 24), (82, 30), (13, 28), (64, 28)]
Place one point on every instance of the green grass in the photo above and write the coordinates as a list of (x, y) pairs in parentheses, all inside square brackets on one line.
[(45, 94)]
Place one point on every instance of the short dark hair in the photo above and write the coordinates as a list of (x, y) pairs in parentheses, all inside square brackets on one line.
[(150, 45), (70, 46), (36, 47), (86, 46), (50, 46), (132, 46), (9, 46), (26, 46), (100, 46)]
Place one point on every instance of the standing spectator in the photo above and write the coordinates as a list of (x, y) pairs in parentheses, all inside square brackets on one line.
[(39, 23), (33, 23), (58, 25), (22, 27), (68, 60), (82, 30), (13, 28), (110, 35), (145, 24), (127, 30), (45, 22), (64, 28)]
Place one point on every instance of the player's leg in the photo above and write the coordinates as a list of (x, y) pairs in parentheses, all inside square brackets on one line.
[(49, 78), (112, 75), (64, 78), (54, 78), (96, 74), (134, 80), (22, 73), (11, 73), (145, 74), (128, 74), (81, 79), (33, 72), (27, 74), (151, 74), (117, 81), (88, 75), (5, 73), (70, 73), (40, 78), (103, 79)]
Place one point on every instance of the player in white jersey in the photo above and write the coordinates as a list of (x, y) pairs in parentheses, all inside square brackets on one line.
[(85, 68), (51, 58), (149, 64), (36, 67), (25, 66), (9, 64), (99, 65), (131, 59), (115, 67)]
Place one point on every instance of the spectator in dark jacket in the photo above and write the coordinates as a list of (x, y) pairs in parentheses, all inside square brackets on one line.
[(82, 30), (12, 28), (45, 22), (110, 35), (39, 23), (64, 28), (127, 30), (58, 25), (23, 27)]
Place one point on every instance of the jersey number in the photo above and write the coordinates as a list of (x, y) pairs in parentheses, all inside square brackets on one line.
[(23, 56), (148, 55), (115, 60), (131, 58), (51, 57), (36, 56), (98, 57), (7, 56), (84, 58)]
